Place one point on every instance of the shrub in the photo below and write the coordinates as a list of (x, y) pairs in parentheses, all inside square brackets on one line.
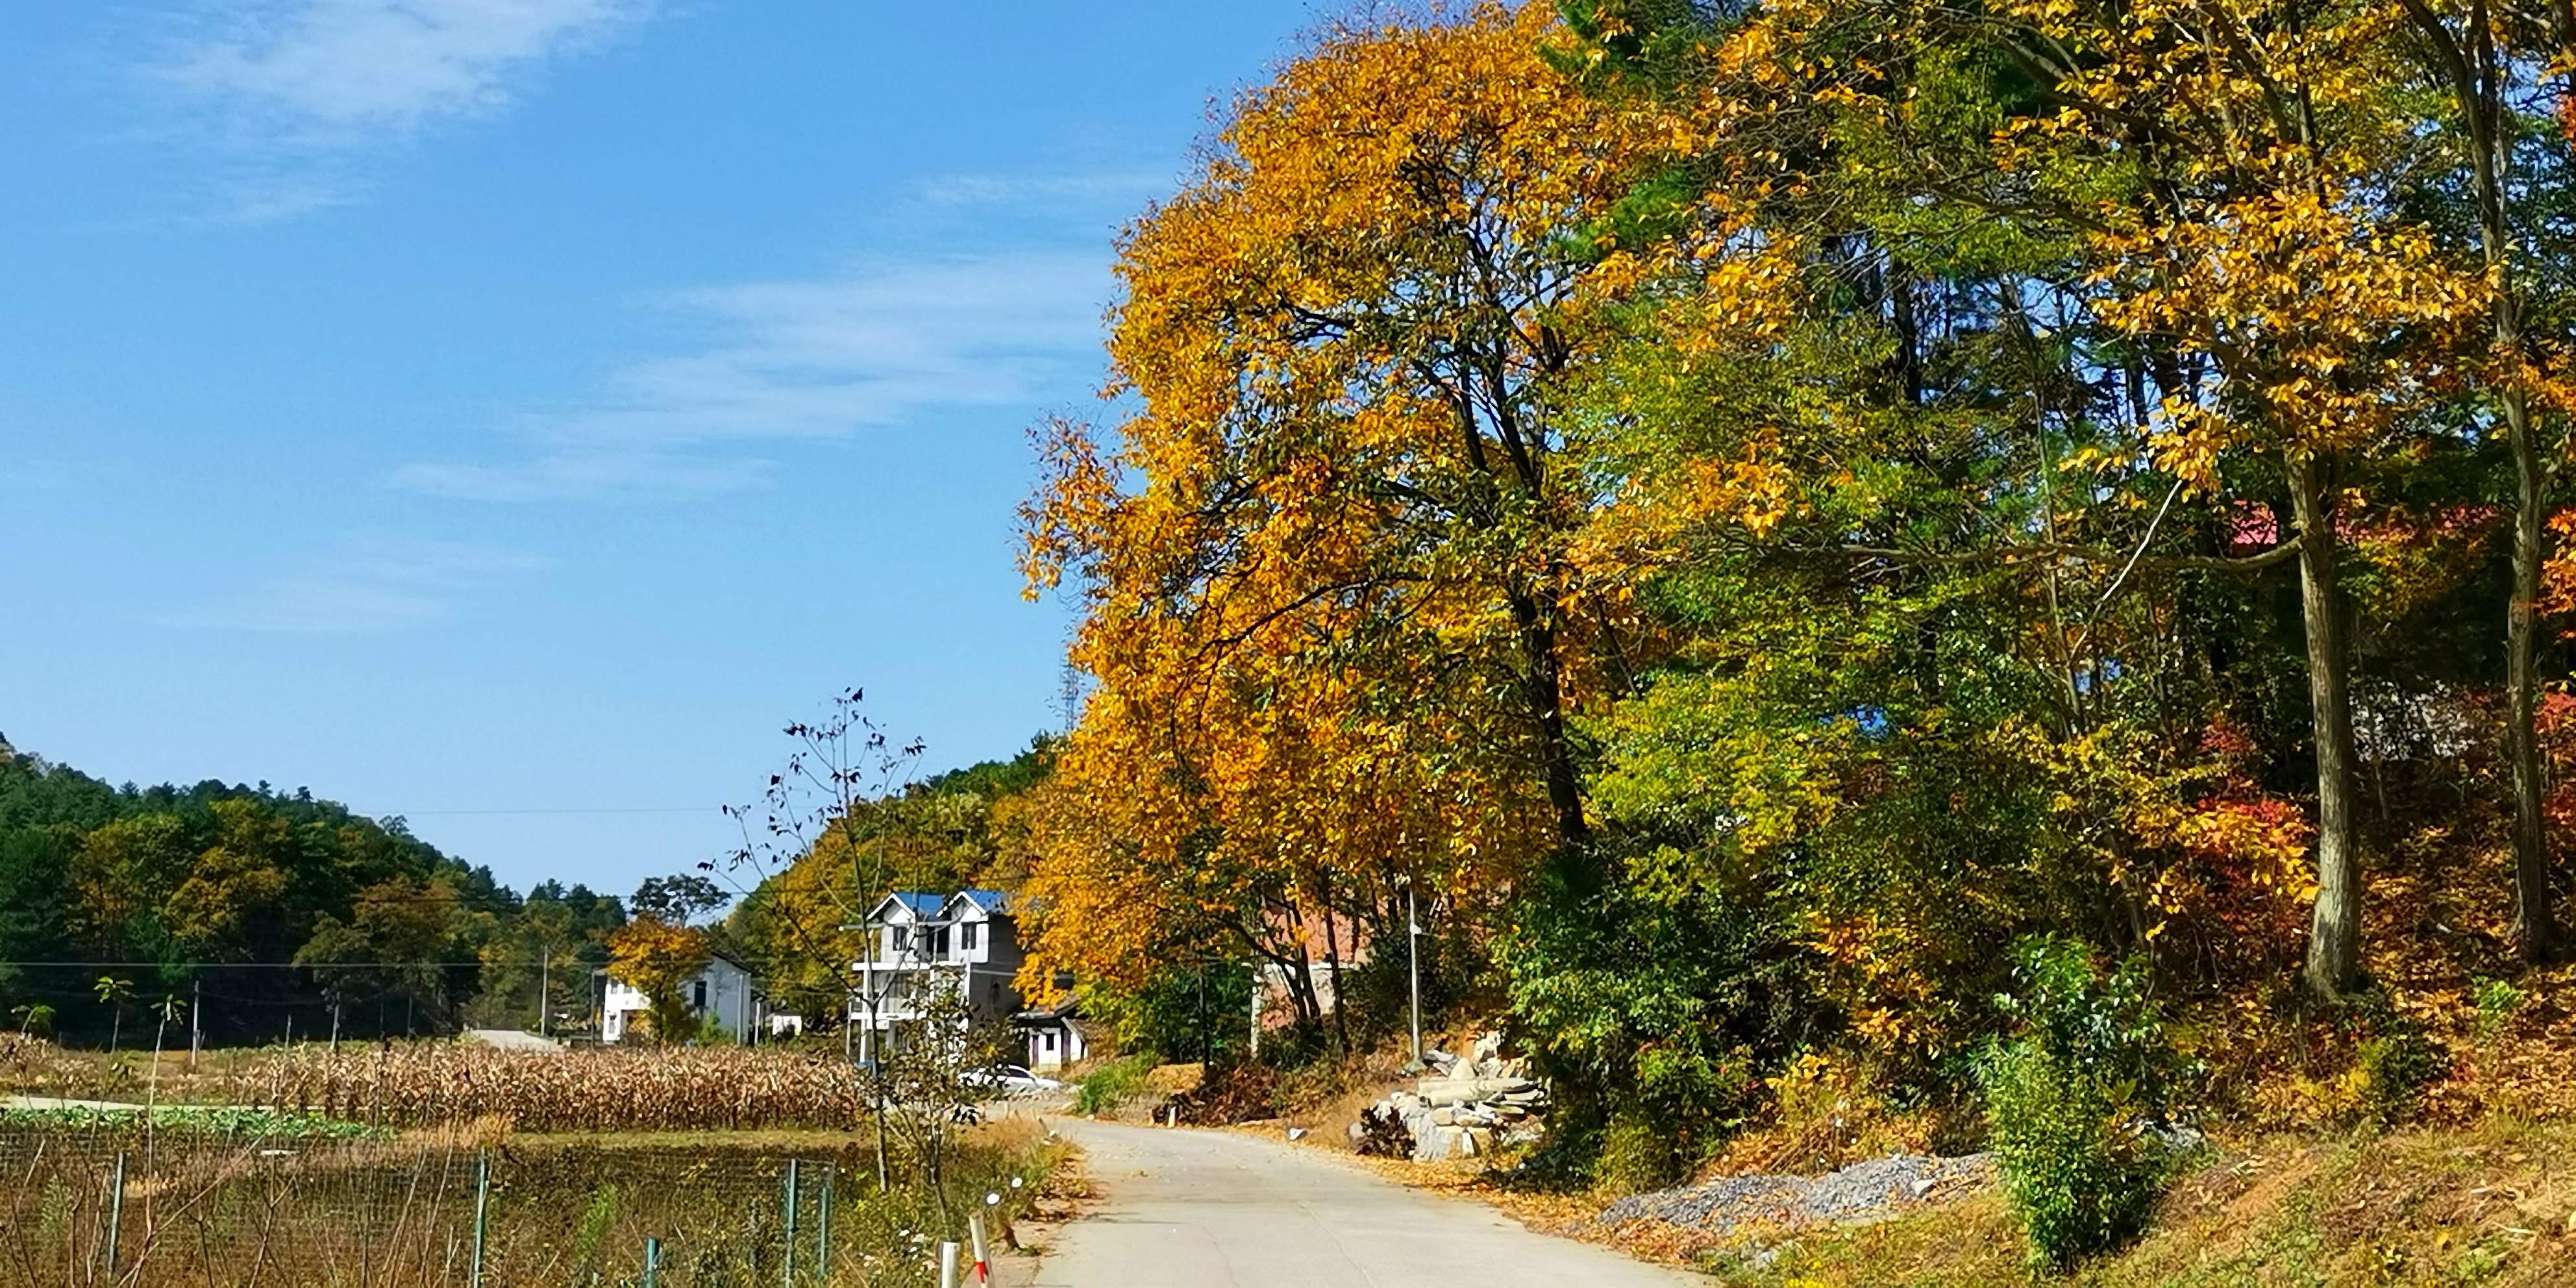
[(2497, 1001), (2079, 1102), (1642, 992), (1637, 1154), (1103, 1088), (2394, 1060)]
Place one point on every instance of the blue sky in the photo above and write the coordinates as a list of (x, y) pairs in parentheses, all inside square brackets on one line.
[(465, 406)]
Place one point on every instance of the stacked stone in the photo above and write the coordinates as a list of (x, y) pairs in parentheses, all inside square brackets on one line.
[(1467, 1104)]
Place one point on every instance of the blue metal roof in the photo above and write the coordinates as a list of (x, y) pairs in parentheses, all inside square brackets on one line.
[(922, 905), (988, 900)]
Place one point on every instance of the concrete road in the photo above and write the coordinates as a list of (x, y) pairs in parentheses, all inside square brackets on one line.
[(1201, 1209), (512, 1040), (58, 1102)]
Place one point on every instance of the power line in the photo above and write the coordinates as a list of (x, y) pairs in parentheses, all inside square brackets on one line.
[(607, 809), (90, 965)]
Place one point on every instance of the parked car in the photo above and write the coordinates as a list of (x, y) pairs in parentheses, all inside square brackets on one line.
[(1011, 1081)]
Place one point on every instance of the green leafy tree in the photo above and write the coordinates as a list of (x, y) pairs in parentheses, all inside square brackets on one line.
[(2081, 1102), (401, 940)]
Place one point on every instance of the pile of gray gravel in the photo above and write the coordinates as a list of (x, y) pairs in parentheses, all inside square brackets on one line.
[(1864, 1191)]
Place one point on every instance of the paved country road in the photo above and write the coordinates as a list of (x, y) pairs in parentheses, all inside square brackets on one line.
[(1222, 1210)]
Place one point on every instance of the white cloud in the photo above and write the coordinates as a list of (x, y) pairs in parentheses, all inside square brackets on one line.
[(804, 361), (287, 94), (374, 584), (1121, 187), (359, 66)]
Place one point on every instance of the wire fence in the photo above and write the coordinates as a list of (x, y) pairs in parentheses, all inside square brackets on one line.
[(138, 1209)]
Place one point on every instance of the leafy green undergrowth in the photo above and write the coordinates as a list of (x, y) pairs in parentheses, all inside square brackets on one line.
[(1102, 1088), (2490, 1205), (209, 1120)]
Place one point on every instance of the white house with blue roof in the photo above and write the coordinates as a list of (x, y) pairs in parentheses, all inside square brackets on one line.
[(919, 941)]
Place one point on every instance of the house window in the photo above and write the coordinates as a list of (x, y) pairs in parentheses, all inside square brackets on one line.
[(1050, 1044), (698, 995), (939, 944), (967, 935)]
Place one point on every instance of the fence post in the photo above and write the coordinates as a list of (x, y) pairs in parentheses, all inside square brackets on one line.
[(948, 1263), (823, 1224), (652, 1263), (115, 1209), (975, 1232), (788, 1276), (482, 1206)]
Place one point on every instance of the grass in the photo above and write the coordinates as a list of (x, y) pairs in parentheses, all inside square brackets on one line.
[(2490, 1205)]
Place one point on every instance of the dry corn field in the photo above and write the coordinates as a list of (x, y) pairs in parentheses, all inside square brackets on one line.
[(671, 1089)]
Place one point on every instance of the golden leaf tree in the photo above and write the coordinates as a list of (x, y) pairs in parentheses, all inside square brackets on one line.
[(1337, 636), (659, 959)]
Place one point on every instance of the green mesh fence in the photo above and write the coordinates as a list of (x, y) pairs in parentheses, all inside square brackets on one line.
[(104, 1206)]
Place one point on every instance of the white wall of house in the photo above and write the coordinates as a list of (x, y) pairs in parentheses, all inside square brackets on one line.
[(722, 991)]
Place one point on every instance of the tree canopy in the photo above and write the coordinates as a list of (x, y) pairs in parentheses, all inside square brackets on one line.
[(1743, 511)]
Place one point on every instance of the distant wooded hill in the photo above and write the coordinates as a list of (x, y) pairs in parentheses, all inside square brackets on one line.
[(276, 908)]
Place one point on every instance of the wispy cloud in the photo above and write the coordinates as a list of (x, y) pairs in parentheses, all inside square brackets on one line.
[(293, 93), (374, 584), (1124, 187), (780, 362)]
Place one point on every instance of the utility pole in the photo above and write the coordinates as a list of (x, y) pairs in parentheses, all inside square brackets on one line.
[(196, 1019), (1413, 962), (545, 967)]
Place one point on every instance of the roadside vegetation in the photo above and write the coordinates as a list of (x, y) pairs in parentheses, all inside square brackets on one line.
[(1851, 576)]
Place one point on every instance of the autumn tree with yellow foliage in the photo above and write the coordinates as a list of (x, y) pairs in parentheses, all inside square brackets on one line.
[(1339, 639), (660, 959)]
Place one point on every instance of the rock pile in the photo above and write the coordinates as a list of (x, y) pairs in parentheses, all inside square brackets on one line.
[(1464, 1105)]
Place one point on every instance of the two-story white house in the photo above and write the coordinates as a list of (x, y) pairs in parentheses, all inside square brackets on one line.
[(725, 991), (918, 942)]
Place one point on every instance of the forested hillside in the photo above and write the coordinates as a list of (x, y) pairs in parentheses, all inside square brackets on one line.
[(272, 906), (1807, 535)]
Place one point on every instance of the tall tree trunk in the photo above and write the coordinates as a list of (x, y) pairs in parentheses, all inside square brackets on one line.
[(1301, 992), (2334, 938), (1544, 690), (2469, 61), (2534, 924), (1333, 967)]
